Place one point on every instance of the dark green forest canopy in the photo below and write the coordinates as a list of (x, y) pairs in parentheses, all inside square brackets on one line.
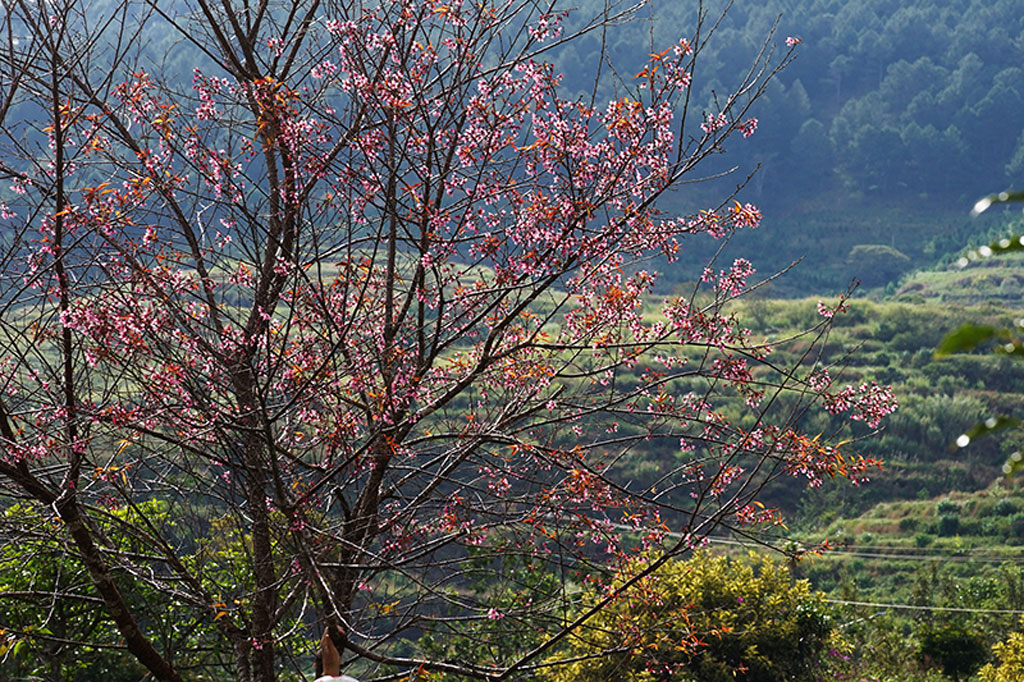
[(893, 117), (886, 97)]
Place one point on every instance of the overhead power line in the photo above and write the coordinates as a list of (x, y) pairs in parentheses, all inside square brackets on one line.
[(917, 607), (950, 556), (779, 544)]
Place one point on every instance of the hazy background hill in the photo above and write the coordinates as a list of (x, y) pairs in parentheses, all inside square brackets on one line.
[(893, 118), (886, 99)]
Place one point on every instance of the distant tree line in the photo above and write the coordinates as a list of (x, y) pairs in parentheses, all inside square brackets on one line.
[(886, 98)]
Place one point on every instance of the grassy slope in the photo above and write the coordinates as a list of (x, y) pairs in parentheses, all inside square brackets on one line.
[(893, 343), (821, 234), (939, 526), (996, 280)]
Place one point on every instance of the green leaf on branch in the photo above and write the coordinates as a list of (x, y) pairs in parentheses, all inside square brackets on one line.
[(1012, 347), (990, 425), (1013, 464), (965, 338), (983, 204), (1004, 245)]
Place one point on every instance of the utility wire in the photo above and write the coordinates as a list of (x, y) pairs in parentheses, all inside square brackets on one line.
[(917, 607), (959, 558), (769, 536), (895, 553), (882, 605)]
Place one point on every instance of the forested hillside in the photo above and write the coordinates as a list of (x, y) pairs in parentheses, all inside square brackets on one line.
[(891, 119), (886, 98)]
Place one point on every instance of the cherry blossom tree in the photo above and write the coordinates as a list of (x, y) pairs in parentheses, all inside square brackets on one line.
[(350, 329)]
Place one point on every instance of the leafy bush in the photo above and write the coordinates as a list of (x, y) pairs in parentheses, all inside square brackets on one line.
[(1004, 507), (876, 264), (948, 507), (1010, 654), (908, 523), (712, 619), (957, 651), (923, 539), (949, 524), (1017, 526)]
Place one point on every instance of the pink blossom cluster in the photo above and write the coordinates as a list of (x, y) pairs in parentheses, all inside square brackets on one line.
[(828, 312), (868, 402)]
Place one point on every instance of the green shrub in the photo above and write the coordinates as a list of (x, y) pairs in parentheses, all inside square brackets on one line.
[(1017, 527), (949, 524), (957, 651), (948, 507), (908, 524), (998, 526), (970, 527), (755, 624), (1004, 507)]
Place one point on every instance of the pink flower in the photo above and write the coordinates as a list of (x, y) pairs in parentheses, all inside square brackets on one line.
[(495, 614), (791, 41), (748, 127), (829, 312), (714, 122)]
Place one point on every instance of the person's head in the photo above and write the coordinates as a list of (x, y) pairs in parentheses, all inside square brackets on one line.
[(328, 659)]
